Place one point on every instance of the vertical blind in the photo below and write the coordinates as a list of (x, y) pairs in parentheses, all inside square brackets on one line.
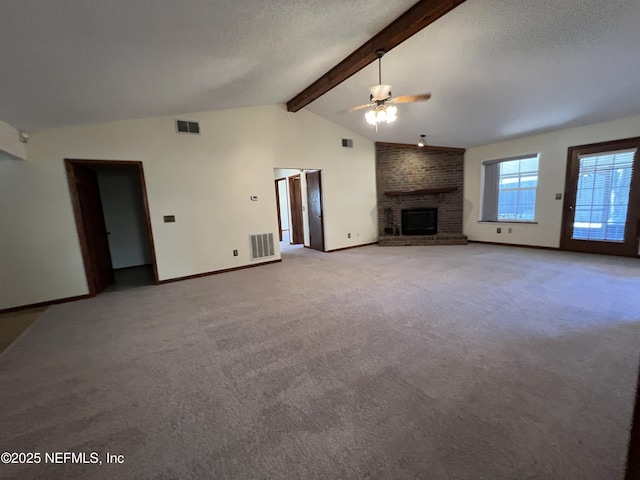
[(491, 192)]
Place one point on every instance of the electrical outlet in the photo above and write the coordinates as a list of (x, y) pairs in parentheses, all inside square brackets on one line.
[(348, 235), (510, 230), (235, 253), (499, 230), (558, 196)]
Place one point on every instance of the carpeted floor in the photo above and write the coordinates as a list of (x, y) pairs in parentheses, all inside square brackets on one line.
[(472, 362)]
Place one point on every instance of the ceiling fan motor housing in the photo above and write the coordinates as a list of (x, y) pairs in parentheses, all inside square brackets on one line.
[(380, 93)]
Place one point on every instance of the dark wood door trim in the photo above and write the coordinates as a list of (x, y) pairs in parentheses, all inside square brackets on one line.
[(70, 163), (632, 230)]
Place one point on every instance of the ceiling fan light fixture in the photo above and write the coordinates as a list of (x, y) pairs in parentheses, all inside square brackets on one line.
[(382, 103), (381, 114), (421, 142), (371, 117), (392, 113)]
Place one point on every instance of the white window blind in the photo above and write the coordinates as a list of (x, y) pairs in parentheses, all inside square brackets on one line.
[(602, 196)]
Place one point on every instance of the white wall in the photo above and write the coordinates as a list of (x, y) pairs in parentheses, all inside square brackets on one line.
[(10, 143), (204, 180), (124, 216), (552, 148)]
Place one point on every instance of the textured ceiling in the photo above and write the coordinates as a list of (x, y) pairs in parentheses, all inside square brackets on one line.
[(497, 69), (82, 61), (504, 69)]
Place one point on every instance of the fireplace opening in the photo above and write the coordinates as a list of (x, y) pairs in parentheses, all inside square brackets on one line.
[(419, 221)]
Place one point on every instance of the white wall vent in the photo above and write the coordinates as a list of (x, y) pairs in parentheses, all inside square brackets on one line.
[(347, 142), (261, 245), (183, 126)]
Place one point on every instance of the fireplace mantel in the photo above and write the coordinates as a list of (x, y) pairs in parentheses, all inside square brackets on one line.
[(421, 191)]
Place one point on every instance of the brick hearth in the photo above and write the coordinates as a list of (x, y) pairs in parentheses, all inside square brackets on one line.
[(414, 240)]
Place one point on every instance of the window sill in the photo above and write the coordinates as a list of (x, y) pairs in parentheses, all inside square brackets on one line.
[(517, 222)]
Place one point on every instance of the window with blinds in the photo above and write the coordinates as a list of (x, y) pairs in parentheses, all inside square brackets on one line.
[(510, 186), (602, 197)]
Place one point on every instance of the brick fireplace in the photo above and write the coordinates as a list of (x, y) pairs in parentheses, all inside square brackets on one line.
[(414, 179)]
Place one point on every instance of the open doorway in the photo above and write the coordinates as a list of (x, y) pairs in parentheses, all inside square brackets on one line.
[(109, 200), (290, 209), (282, 202), (299, 200)]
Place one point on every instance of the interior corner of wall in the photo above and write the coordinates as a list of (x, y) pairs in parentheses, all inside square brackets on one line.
[(12, 143), (5, 155)]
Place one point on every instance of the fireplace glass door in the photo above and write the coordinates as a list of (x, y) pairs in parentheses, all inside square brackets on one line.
[(420, 221)]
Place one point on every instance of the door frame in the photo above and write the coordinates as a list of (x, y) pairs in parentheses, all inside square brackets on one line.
[(306, 177), (632, 229), (70, 164)]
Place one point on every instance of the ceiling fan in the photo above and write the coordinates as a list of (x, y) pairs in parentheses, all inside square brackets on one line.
[(382, 103)]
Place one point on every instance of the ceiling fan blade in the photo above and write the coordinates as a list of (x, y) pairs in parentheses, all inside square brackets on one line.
[(359, 107), (422, 97)]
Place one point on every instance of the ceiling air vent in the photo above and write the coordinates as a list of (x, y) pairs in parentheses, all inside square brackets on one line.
[(347, 142), (183, 126)]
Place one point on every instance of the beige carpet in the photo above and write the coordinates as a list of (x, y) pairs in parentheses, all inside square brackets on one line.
[(472, 362)]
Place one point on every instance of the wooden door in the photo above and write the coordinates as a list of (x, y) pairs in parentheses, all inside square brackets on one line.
[(100, 274), (314, 202), (602, 198), (295, 200)]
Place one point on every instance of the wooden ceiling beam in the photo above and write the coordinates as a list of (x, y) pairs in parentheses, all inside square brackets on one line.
[(422, 14)]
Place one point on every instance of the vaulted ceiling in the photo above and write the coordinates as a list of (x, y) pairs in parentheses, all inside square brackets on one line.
[(80, 61), (497, 69), (505, 69)]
